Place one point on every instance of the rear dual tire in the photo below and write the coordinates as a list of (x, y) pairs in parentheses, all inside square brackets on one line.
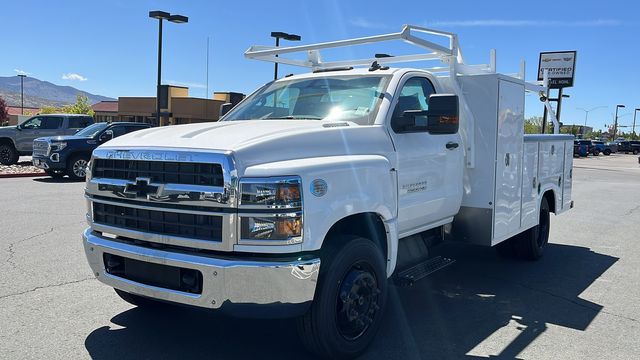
[(349, 301), (531, 243)]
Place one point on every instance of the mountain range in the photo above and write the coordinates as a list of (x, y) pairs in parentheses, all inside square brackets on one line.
[(38, 93)]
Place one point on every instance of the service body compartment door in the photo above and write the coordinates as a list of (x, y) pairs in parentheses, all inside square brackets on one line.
[(509, 147), (529, 185)]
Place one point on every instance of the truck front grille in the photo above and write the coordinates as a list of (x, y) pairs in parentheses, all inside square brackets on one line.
[(40, 148), (194, 226), (160, 172)]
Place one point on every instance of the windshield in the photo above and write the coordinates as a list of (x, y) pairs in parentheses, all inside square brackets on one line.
[(335, 98), (92, 130)]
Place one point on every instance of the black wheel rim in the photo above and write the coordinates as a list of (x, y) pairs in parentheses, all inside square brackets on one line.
[(5, 156), (357, 302)]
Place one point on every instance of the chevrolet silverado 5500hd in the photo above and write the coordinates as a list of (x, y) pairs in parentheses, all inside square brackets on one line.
[(316, 189)]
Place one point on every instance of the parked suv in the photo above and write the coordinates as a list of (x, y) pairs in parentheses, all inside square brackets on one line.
[(69, 155), (16, 141), (632, 146)]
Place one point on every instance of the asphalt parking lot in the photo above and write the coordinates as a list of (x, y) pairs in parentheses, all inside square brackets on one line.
[(582, 300)]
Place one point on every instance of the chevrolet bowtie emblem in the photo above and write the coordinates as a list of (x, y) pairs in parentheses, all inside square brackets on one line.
[(141, 188)]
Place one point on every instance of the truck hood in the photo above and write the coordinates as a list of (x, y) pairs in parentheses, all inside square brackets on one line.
[(263, 141), (65, 138), (8, 130)]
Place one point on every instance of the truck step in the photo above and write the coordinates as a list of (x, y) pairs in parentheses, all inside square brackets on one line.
[(421, 270)]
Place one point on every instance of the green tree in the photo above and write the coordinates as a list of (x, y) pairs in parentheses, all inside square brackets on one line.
[(49, 109), (81, 106), (533, 125)]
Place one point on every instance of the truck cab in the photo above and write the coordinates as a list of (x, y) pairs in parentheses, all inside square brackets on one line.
[(318, 189)]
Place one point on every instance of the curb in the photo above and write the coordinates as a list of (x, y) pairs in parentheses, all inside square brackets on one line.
[(33, 174)]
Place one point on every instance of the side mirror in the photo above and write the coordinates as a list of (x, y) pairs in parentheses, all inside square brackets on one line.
[(443, 116), (106, 136), (225, 109)]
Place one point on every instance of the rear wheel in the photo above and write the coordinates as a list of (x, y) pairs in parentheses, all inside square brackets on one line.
[(77, 167), (350, 298), (530, 244), (8, 154), (607, 152), (635, 151)]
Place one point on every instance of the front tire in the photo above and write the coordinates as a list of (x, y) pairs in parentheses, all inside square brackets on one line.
[(349, 302), (77, 167), (607, 152), (8, 154)]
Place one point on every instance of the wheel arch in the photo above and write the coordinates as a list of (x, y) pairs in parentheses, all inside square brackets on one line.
[(7, 141), (550, 196), (368, 225)]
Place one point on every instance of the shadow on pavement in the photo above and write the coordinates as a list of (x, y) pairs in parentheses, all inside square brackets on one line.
[(444, 316), (47, 179)]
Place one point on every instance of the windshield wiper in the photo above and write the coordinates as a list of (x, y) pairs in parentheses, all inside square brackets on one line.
[(294, 117)]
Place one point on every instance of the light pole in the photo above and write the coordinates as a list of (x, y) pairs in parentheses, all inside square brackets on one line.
[(161, 15), (633, 131), (615, 124), (281, 35), (586, 115), (22, 76)]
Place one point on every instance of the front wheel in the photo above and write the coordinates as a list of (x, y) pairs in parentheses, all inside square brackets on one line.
[(8, 154), (77, 167), (607, 152), (350, 298)]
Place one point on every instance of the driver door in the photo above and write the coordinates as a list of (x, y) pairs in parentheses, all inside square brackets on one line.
[(36, 127), (429, 166)]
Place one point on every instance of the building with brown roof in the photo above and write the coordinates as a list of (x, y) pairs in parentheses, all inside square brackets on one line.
[(105, 111)]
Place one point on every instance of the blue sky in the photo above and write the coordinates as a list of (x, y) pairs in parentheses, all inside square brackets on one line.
[(110, 47)]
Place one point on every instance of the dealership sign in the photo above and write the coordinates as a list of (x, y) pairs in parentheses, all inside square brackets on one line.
[(560, 66)]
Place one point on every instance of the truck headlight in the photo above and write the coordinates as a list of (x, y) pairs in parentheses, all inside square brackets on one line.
[(58, 146), (278, 220)]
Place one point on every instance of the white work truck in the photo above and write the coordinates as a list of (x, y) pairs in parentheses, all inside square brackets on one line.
[(317, 189)]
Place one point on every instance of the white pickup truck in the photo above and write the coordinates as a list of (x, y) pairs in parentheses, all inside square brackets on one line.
[(318, 188)]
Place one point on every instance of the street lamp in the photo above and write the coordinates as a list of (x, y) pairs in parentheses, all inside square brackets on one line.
[(22, 76), (178, 19), (633, 131), (586, 115), (615, 124), (281, 35)]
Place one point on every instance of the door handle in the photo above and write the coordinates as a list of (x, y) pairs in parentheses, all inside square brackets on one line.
[(452, 145)]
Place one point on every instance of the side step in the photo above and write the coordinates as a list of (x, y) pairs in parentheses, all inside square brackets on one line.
[(421, 270)]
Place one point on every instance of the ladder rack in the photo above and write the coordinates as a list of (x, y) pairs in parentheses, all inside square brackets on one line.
[(450, 56)]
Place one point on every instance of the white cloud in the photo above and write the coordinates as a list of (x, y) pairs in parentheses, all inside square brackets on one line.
[(73, 77), (21, 72), (366, 24), (523, 23)]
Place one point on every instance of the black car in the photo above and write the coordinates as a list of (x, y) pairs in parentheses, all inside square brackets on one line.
[(632, 146), (60, 155)]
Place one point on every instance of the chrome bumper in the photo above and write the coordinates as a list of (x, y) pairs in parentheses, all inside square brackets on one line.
[(241, 287)]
